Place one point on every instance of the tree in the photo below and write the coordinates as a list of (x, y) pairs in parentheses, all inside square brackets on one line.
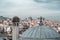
[(15, 21)]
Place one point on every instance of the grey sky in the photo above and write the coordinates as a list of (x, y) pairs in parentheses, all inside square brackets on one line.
[(29, 7)]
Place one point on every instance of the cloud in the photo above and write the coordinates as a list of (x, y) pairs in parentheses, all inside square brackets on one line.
[(46, 1), (50, 4), (26, 8)]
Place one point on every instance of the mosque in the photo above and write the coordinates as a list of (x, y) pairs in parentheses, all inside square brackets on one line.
[(40, 32)]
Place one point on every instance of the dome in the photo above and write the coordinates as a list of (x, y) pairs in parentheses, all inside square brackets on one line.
[(40, 33)]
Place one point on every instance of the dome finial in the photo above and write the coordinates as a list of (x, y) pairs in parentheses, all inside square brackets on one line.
[(41, 21)]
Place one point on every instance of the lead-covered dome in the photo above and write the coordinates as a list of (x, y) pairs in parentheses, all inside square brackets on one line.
[(40, 33)]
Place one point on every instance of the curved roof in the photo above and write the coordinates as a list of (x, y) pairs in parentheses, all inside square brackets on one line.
[(40, 32)]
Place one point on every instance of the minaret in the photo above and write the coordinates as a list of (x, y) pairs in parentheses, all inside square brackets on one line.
[(15, 28)]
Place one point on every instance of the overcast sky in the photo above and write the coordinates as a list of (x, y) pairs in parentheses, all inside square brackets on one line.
[(24, 8)]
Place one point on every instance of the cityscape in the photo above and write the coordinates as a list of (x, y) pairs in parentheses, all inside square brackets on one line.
[(29, 19), (24, 24)]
